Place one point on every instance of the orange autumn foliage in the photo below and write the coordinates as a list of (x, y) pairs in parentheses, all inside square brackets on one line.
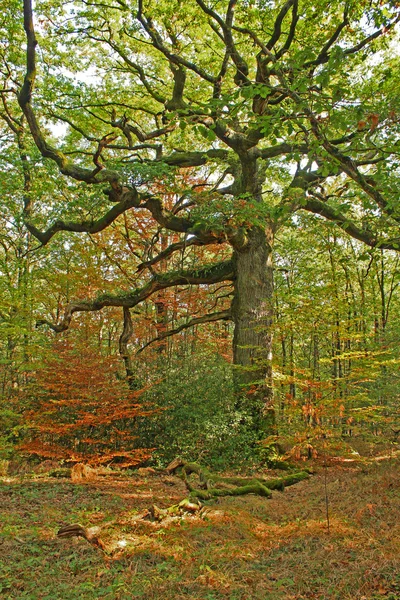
[(80, 411)]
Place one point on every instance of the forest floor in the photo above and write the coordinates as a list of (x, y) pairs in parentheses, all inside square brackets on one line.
[(242, 548)]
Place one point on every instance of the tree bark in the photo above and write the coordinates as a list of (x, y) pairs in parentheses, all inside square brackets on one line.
[(252, 312)]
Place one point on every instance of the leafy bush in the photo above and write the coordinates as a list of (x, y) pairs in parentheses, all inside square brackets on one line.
[(198, 418), (12, 429)]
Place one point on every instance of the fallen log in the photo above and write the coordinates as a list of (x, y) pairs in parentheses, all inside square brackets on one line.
[(211, 485), (251, 488)]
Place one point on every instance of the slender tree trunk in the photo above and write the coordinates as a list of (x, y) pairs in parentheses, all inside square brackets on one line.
[(252, 311), (284, 363), (125, 336), (292, 385), (161, 321), (161, 305)]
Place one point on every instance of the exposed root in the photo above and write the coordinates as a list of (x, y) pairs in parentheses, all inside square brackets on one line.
[(77, 530), (184, 508)]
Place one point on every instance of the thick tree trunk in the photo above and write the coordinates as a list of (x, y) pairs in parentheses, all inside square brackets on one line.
[(252, 310)]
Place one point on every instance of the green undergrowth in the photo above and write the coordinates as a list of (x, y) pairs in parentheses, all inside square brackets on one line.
[(242, 548)]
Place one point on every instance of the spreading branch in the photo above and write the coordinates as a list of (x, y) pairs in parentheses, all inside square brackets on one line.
[(334, 37), (128, 129), (350, 167), (158, 43), (277, 31), (292, 30), (242, 69), (320, 207), (130, 200), (324, 55), (138, 70), (66, 166), (222, 271)]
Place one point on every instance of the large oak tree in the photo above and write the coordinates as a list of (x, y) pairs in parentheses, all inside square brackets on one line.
[(272, 108)]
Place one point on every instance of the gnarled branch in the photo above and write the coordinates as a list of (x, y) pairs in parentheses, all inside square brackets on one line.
[(159, 45), (222, 271), (130, 200), (324, 55), (350, 167), (242, 69), (276, 34), (25, 97), (319, 207)]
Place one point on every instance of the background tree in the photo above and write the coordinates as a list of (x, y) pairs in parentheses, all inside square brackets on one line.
[(336, 375)]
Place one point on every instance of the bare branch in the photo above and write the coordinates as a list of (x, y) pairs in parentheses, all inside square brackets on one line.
[(224, 315), (193, 241), (276, 34)]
